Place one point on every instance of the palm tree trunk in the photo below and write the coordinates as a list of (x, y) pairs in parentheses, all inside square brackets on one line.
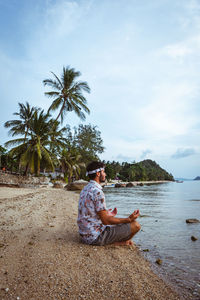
[(61, 110), (26, 170)]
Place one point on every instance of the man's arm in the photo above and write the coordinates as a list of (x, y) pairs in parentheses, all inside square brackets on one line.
[(110, 220)]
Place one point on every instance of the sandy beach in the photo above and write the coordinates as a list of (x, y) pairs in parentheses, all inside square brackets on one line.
[(41, 256)]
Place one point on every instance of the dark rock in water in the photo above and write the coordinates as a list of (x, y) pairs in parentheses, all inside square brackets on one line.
[(145, 250), (194, 238), (190, 221), (159, 261), (141, 184), (119, 185), (129, 184), (76, 185)]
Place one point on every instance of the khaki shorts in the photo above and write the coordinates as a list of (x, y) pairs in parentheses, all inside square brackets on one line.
[(112, 234)]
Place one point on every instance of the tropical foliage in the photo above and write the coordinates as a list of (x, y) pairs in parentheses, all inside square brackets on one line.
[(143, 171), (34, 148), (40, 142), (71, 162), (22, 125), (67, 93)]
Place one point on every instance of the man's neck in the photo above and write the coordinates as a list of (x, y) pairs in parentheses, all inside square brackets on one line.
[(97, 180)]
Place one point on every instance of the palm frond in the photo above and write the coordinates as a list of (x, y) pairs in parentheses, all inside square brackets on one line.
[(52, 83), (14, 142)]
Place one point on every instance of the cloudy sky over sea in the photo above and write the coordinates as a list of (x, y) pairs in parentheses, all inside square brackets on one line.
[(141, 60)]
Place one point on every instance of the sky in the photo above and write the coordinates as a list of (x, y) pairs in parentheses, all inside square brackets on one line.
[(141, 60)]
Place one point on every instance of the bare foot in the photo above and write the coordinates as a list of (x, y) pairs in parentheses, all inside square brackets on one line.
[(124, 243)]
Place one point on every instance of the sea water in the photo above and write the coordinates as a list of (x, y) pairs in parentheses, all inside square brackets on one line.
[(165, 234)]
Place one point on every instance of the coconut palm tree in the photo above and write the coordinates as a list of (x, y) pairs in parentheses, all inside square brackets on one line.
[(35, 147), (21, 126), (56, 134), (71, 164), (67, 93)]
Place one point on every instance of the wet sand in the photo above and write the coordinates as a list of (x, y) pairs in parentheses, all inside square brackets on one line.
[(41, 256)]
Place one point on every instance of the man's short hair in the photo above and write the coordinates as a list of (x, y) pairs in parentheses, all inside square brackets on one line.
[(94, 165)]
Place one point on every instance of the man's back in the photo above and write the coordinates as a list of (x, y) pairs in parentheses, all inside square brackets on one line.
[(91, 201)]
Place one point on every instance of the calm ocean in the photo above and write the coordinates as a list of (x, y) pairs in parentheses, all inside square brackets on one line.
[(165, 233)]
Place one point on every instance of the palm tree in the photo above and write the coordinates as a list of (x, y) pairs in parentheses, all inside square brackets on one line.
[(21, 126), (57, 141), (35, 148), (67, 93), (71, 164)]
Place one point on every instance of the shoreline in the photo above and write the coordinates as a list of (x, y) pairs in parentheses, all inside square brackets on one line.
[(136, 183), (41, 256)]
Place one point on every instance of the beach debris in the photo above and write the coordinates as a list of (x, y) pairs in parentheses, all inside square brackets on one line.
[(2, 245), (194, 238), (190, 221), (145, 250), (144, 216), (31, 243), (6, 290), (159, 261)]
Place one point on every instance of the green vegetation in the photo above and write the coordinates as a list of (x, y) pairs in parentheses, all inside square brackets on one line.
[(41, 143), (67, 93), (145, 170)]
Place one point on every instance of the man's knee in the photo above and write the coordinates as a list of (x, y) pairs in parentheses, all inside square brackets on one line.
[(135, 226)]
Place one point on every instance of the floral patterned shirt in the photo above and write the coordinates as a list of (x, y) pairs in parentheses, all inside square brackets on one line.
[(91, 201)]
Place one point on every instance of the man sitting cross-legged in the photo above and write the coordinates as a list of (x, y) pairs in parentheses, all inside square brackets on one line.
[(97, 225)]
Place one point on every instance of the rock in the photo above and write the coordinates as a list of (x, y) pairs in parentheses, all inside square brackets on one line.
[(145, 250), (141, 184), (77, 185), (194, 238), (58, 185), (119, 185), (190, 221), (159, 261), (129, 184)]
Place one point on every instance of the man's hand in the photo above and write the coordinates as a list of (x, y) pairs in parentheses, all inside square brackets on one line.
[(134, 215), (109, 219), (112, 212)]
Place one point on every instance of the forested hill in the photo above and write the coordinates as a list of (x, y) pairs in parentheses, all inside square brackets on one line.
[(145, 170), (154, 171)]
